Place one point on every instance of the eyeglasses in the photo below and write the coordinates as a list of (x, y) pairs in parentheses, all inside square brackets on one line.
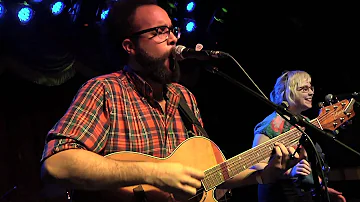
[(160, 34), (305, 89)]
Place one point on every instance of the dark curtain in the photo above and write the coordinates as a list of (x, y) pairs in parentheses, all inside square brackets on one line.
[(42, 66)]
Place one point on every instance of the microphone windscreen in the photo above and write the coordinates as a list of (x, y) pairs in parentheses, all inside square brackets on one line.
[(177, 51), (329, 98)]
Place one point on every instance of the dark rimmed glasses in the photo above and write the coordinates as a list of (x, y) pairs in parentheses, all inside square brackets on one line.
[(306, 89), (160, 33)]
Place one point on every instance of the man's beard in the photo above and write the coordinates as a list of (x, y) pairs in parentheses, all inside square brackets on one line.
[(155, 69)]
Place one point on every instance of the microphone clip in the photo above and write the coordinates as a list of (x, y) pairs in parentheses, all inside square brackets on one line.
[(283, 108)]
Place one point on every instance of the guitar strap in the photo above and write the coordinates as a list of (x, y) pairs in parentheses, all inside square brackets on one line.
[(189, 117)]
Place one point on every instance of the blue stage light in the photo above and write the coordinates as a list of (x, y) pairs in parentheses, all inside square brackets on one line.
[(190, 6), (104, 14), (57, 7), (25, 14), (2, 10), (190, 26)]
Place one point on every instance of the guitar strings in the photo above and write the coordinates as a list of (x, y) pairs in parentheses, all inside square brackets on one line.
[(231, 164), (234, 164)]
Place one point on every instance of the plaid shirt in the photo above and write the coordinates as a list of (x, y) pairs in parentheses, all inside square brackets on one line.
[(117, 112)]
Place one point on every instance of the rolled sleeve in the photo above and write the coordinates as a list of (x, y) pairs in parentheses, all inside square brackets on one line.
[(84, 125), (54, 146)]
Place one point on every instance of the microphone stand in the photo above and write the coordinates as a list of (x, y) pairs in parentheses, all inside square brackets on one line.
[(295, 121)]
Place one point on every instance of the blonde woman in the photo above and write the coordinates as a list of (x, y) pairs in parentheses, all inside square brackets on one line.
[(295, 89)]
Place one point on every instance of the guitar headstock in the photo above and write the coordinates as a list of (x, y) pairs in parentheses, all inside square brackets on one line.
[(335, 115)]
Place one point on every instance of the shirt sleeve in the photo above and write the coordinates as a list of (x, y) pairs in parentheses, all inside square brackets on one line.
[(271, 126), (84, 125)]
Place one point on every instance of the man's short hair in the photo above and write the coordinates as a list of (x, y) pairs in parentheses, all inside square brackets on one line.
[(119, 23)]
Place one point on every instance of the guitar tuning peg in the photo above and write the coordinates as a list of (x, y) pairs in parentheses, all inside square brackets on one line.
[(336, 132), (321, 104)]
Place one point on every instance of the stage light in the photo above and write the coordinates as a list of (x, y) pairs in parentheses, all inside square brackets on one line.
[(36, 1), (74, 11), (172, 4), (217, 20), (172, 8), (104, 14), (104, 9), (220, 15), (57, 7), (190, 26), (2, 10), (190, 6), (25, 13)]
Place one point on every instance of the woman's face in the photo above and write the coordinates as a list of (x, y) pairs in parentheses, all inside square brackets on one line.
[(304, 95)]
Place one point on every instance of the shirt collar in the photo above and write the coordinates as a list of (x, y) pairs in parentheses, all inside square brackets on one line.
[(145, 89)]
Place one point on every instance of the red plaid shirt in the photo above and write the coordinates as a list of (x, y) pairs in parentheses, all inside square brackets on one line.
[(116, 112)]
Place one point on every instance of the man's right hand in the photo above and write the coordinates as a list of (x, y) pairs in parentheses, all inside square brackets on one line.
[(175, 178)]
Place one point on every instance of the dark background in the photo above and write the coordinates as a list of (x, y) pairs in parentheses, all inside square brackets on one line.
[(266, 39)]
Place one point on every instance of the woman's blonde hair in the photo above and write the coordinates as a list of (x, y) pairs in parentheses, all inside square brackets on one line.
[(286, 85)]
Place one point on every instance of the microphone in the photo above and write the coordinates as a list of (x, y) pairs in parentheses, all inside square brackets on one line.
[(181, 53), (329, 98)]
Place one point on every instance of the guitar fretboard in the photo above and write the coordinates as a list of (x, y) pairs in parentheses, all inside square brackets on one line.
[(233, 166)]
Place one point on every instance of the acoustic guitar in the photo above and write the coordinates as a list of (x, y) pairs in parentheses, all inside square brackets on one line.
[(204, 154)]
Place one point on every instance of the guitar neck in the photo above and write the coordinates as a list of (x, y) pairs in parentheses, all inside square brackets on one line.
[(233, 166)]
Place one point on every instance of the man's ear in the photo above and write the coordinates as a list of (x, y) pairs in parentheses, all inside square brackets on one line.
[(128, 46)]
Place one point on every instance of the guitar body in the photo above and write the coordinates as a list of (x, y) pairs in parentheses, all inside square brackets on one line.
[(198, 152)]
